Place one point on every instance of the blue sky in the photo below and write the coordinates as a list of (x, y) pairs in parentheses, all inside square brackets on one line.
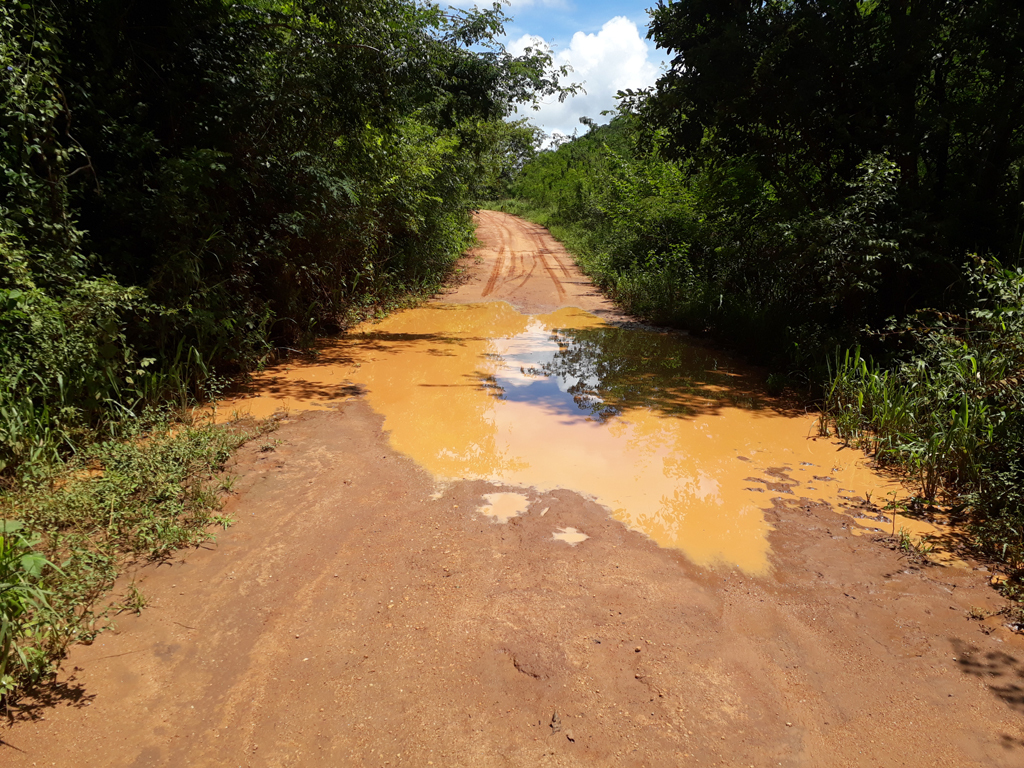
[(603, 40)]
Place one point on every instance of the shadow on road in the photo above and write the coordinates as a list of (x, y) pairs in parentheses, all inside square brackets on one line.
[(1003, 673)]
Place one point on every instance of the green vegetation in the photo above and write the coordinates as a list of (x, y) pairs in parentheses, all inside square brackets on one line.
[(189, 189), (24, 610), (906, 544), (950, 410), (67, 536), (191, 186), (835, 188)]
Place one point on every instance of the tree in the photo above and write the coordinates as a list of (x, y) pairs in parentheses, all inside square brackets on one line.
[(191, 183), (809, 89)]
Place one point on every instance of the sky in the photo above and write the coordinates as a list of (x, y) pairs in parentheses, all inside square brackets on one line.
[(603, 40)]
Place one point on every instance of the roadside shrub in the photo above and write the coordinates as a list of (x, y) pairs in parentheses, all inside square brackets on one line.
[(998, 524), (950, 411), (24, 611)]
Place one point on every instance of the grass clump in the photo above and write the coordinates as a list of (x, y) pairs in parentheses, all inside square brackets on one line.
[(65, 537)]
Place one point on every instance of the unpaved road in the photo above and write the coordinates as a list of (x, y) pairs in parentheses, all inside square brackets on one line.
[(522, 264), (360, 614)]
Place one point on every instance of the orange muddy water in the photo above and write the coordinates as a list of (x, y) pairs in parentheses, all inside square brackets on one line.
[(676, 441)]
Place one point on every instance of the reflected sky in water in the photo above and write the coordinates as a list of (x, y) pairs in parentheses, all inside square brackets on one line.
[(676, 441), (668, 437)]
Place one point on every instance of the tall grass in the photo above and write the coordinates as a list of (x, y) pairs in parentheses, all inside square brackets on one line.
[(950, 411), (905, 417)]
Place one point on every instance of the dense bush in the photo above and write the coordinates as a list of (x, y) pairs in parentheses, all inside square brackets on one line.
[(192, 185), (714, 250), (951, 411), (188, 188)]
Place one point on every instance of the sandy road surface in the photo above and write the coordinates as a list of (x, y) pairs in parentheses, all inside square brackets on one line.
[(360, 614), (522, 264)]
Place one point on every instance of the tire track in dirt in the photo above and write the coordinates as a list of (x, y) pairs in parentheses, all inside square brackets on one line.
[(542, 253), (515, 267), (526, 276), (504, 235), (559, 260), (551, 273), (562, 266), (504, 267)]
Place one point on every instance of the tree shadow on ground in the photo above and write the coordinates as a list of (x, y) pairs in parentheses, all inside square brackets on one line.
[(1003, 673), (43, 698)]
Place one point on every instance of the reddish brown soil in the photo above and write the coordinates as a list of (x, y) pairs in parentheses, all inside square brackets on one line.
[(522, 264), (350, 618)]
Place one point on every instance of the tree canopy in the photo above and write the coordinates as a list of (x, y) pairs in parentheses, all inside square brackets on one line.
[(192, 184), (809, 89)]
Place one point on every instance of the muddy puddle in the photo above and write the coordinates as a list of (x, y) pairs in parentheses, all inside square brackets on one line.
[(502, 507), (676, 442)]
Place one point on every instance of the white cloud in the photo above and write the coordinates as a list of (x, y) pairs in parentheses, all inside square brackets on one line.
[(614, 59), (513, 4)]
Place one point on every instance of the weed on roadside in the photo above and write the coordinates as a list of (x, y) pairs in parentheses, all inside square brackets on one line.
[(917, 551), (903, 541), (133, 601), (24, 609), (66, 536), (1015, 616), (980, 614)]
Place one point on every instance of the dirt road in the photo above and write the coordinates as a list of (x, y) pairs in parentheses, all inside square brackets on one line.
[(522, 264), (372, 609)]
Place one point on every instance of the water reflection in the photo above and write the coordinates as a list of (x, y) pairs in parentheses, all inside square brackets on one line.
[(644, 423), (608, 369), (673, 440)]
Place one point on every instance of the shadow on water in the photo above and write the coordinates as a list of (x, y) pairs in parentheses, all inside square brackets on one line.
[(303, 389), (598, 371), (394, 342), (611, 369), (312, 385)]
